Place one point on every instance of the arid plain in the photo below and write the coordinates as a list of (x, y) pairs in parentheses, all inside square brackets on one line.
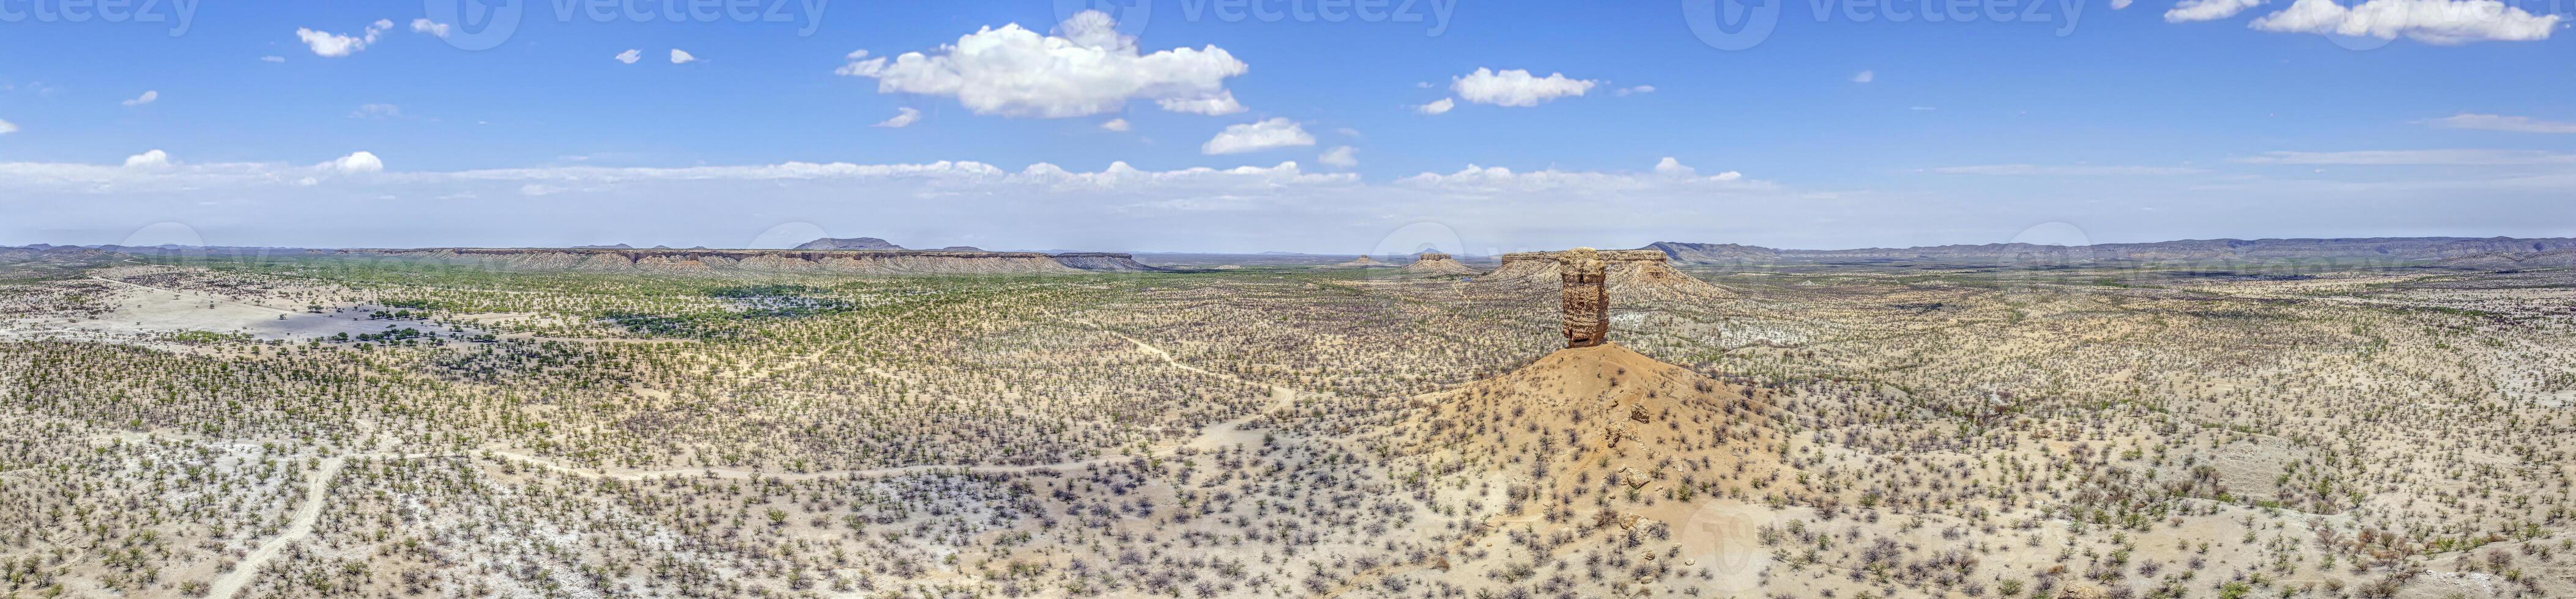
[(315, 425)]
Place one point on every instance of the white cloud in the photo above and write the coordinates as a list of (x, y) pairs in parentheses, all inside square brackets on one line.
[(332, 45), (904, 116), (2120, 4), (1642, 89), (1672, 167), (2430, 21), (1120, 175), (1086, 68), (1244, 209), (433, 28), (1439, 106), (148, 97), (1516, 87), (272, 59), (356, 162), (1254, 137), (376, 111), (2188, 11), (2493, 122), (679, 56), (1221, 104), (1864, 76), (148, 159), (1341, 156), (7, 127), (1115, 125), (1668, 174), (2073, 170), (2415, 157), (630, 56)]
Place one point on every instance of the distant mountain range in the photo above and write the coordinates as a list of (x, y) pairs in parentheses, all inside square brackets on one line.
[(2219, 250)]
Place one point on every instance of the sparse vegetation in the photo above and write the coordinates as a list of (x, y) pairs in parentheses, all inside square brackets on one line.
[(1823, 431)]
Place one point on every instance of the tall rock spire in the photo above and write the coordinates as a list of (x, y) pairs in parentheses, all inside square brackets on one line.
[(1587, 297)]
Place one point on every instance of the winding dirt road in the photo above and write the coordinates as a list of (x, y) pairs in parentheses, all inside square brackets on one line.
[(232, 582)]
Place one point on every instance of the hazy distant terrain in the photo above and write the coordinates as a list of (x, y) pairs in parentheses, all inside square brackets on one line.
[(183, 423)]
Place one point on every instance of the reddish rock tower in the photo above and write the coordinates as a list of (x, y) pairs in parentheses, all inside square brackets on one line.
[(1587, 297)]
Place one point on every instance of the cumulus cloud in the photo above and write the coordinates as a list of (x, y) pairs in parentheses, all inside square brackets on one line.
[(2496, 122), (433, 28), (1222, 103), (332, 45), (630, 56), (1516, 87), (2442, 22), (679, 56), (903, 117), (148, 97), (356, 162), (148, 159), (1115, 125), (1341, 156), (1667, 174), (7, 127), (1257, 136), (1085, 68), (1440, 106), (2188, 11), (1641, 89)]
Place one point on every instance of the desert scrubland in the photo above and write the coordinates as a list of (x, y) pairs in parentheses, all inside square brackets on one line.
[(330, 426)]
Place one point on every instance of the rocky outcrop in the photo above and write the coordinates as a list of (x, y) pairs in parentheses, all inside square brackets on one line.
[(1436, 264), (1585, 281), (853, 243), (857, 262)]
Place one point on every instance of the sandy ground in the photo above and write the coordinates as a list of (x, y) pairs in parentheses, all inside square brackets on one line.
[(147, 311)]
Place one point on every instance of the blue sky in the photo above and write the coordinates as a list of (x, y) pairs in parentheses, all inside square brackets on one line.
[(2148, 121)]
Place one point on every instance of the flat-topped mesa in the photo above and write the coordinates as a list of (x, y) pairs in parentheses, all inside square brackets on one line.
[(1587, 296), (1436, 264)]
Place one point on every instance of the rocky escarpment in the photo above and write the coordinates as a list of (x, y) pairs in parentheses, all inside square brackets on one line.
[(2513, 261), (1436, 264), (1097, 261), (1639, 274), (874, 262)]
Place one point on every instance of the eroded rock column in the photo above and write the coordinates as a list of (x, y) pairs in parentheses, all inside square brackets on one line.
[(1587, 297)]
